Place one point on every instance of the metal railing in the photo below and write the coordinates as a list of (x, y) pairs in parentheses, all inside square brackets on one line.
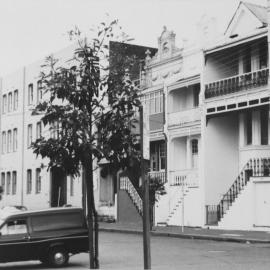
[(158, 174), (186, 177), (125, 184), (255, 167), (237, 83)]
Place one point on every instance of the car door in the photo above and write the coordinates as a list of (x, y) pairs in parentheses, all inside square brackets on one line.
[(14, 238)]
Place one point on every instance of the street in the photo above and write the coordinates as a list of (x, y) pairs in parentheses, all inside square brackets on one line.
[(124, 251)]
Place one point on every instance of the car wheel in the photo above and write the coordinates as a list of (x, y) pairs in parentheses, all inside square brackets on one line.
[(58, 257)]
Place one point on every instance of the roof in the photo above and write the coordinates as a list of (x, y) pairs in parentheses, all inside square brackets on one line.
[(259, 11)]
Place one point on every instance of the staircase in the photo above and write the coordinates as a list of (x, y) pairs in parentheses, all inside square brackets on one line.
[(255, 167), (179, 202), (125, 184)]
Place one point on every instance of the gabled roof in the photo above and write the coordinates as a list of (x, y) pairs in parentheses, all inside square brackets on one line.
[(259, 11)]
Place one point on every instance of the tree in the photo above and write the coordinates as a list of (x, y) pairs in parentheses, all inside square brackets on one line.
[(90, 111)]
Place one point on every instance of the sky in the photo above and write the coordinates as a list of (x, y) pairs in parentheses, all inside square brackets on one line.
[(33, 29)]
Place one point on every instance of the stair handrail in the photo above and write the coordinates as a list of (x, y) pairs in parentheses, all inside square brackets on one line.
[(125, 184), (254, 167)]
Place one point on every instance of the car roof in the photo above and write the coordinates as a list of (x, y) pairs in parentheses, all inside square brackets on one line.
[(44, 211)]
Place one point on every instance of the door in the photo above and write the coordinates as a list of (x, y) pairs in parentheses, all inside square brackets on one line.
[(58, 188), (14, 240), (262, 204)]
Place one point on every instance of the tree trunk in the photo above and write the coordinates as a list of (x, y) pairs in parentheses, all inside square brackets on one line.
[(89, 191)]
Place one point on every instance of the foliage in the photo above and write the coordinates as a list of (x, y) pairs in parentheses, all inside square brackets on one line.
[(82, 94), (156, 189)]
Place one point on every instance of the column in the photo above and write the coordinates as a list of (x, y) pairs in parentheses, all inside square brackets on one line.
[(241, 129), (256, 127), (188, 153)]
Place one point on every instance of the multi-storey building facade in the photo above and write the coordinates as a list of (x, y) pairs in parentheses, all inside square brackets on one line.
[(209, 125), (236, 108), (24, 176)]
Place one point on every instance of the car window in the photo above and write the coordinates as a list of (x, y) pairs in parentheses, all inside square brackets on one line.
[(18, 226)]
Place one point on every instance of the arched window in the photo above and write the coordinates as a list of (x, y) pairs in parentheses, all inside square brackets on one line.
[(194, 151)]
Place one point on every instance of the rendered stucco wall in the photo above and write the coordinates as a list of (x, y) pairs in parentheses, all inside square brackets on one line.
[(221, 156)]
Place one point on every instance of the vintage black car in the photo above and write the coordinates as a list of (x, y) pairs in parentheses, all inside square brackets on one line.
[(49, 235)]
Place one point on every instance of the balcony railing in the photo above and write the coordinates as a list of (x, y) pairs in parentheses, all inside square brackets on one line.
[(158, 174), (182, 117), (188, 178), (237, 83)]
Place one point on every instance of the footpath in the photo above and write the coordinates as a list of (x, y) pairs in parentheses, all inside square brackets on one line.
[(262, 237)]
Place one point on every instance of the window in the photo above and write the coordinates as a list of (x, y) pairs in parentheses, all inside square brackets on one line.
[(3, 180), (153, 102), (55, 130), (29, 135), (194, 151), (38, 180), (4, 142), (248, 129), (196, 92), (194, 146), (29, 182), (16, 100), (71, 186), (9, 102), (14, 227), (247, 60), (39, 91), (39, 131), (30, 94), (4, 104), (9, 141), (14, 182), (157, 155), (263, 55), (8, 183), (264, 126), (15, 139)]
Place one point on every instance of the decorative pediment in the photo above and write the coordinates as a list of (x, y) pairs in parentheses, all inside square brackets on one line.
[(247, 18)]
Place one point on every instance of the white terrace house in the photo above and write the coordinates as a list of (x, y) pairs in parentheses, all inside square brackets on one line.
[(236, 129), (171, 95)]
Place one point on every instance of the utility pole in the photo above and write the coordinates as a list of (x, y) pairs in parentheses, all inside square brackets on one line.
[(145, 182)]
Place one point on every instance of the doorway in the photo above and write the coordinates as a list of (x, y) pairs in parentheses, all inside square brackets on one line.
[(58, 187)]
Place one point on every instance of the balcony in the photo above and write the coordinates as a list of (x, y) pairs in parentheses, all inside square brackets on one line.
[(237, 83), (159, 174), (183, 117), (187, 178)]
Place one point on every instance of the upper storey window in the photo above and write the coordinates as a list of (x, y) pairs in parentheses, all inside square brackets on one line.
[(30, 94), (4, 104), (153, 102), (9, 102), (39, 91), (16, 100)]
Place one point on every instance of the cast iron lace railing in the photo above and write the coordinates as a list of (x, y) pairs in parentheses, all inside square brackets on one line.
[(125, 184), (255, 167), (237, 83)]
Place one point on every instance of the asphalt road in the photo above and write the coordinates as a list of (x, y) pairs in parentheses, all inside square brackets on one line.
[(124, 251)]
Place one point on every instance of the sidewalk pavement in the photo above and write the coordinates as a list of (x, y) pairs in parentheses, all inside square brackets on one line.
[(262, 237)]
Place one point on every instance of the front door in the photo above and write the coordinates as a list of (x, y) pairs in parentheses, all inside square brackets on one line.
[(14, 240), (58, 188), (262, 204)]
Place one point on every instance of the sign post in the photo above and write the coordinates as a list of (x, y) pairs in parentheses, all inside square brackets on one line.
[(144, 135)]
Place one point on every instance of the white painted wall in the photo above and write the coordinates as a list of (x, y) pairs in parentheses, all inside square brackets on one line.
[(179, 152), (191, 209), (243, 214), (221, 156)]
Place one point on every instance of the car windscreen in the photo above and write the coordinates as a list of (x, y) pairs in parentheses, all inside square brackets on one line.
[(57, 221)]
